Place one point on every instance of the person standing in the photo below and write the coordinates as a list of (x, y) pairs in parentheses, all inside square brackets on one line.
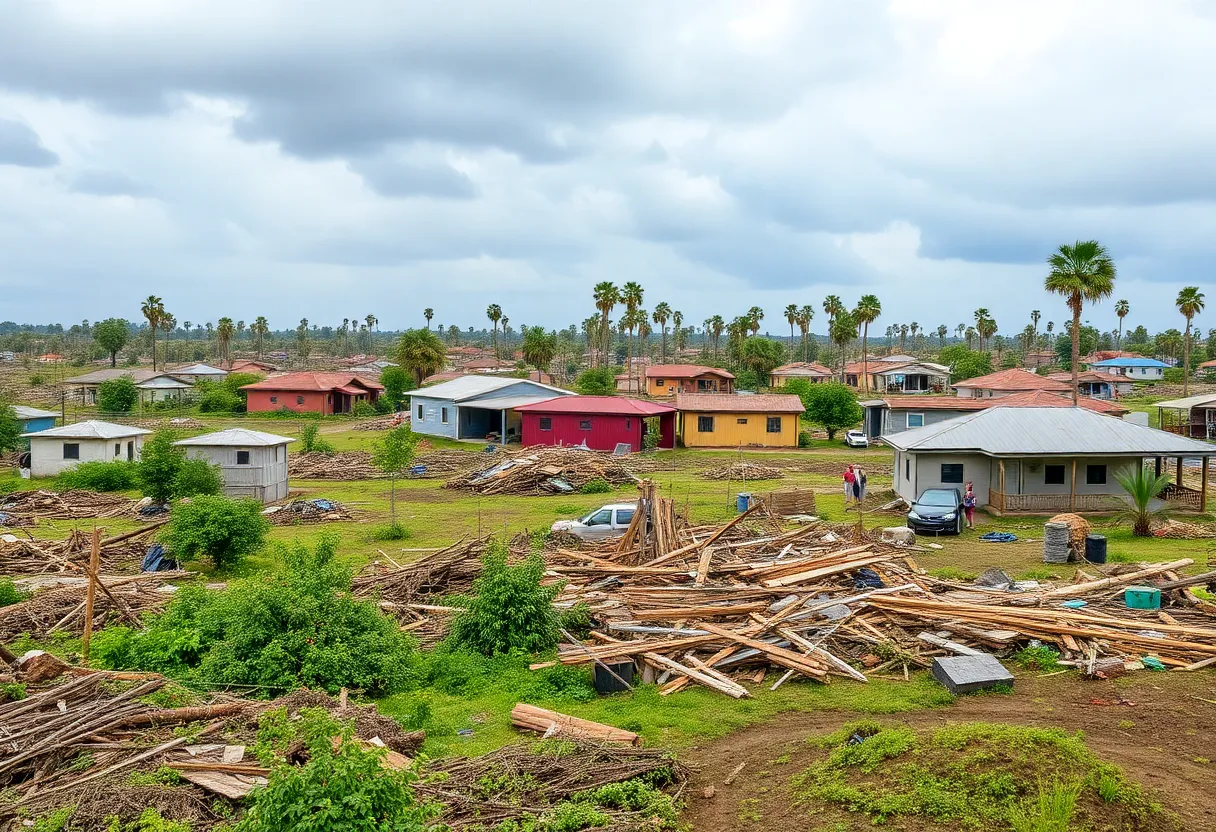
[(969, 506), (861, 483), (849, 479)]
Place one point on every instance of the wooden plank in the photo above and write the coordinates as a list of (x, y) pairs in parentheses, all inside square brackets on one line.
[(822, 572), (805, 665)]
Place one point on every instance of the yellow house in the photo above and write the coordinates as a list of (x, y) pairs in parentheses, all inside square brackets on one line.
[(729, 421), (669, 379)]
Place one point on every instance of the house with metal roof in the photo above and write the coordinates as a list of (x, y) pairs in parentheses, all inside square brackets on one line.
[(601, 423), (899, 413), (811, 371), (1135, 368), (252, 463), (664, 380), (33, 419), (727, 420), (1042, 459), (324, 393), (1095, 384), (85, 386), (58, 449), (199, 372), (477, 406), (898, 374), (1006, 383), (1194, 416)]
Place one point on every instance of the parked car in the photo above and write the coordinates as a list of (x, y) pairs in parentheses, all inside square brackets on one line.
[(604, 522), (937, 510), (856, 439)]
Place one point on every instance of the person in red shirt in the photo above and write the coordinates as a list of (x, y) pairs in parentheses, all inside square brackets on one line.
[(849, 479)]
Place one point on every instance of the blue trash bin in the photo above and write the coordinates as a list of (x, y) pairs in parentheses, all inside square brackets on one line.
[(743, 501)]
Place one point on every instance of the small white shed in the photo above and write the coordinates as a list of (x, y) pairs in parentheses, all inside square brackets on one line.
[(252, 463), (61, 448)]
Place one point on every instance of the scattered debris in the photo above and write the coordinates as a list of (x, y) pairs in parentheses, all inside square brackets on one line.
[(66, 505), (965, 674), (554, 724), (341, 466), (33, 556), (745, 471), (60, 603), (388, 422), (304, 512), (550, 470)]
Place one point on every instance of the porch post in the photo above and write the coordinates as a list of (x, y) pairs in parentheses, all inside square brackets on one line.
[(1001, 464), (502, 436), (1072, 492), (1178, 474), (1203, 485)]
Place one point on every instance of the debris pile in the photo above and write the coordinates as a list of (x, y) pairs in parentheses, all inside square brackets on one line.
[(1181, 530), (60, 606), (39, 557), (342, 466), (448, 571), (66, 505), (745, 471), (1078, 530), (388, 422), (445, 463), (306, 512), (549, 470)]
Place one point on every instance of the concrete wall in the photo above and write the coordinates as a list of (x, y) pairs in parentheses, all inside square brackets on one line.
[(915, 473), (429, 420), (1028, 476), (896, 421), (263, 478), (46, 455), (260, 401)]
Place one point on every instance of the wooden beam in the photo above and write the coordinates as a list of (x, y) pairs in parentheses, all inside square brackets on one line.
[(1203, 484), (1001, 465), (1072, 491), (1178, 472)]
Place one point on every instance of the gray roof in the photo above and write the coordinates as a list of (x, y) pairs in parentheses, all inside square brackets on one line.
[(91, 429), (163, 382), (1045, 431), (242, 437), (98, 376), (476, 385), (1188, 402), (199, 370), (511, 402), (24, 412)]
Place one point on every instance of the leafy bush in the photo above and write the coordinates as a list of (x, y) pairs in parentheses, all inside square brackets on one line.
[(311, 441), (296, 626), (342, 789), (805, 440), (509, 609), (596, 486), (150, 820), (362, 410), (390, 531), (396, 382), (600, 381), (9, 594), (99, 476), (225, 530), (165, 473), (118, 395), (197, 478), (37, 379), (832, 405), (216, 397), (10, 428)]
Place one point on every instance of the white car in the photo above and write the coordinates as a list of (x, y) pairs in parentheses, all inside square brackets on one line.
[(604, 522), (856, 439)]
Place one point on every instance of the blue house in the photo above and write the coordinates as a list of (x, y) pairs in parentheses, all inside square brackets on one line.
[(1134, 368), (477, 406), (34, 420)]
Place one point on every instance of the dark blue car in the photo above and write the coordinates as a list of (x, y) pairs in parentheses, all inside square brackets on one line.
[(937, 510)]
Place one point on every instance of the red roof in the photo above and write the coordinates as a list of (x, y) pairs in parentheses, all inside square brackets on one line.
[(684, 371), (1208, 365), (1087, 375), (802, 368), (599, 406), (735, 403), (1014, 380), (315, 382), (938, 403)]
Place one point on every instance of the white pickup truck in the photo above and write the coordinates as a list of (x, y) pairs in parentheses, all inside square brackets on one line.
[(604, 522)]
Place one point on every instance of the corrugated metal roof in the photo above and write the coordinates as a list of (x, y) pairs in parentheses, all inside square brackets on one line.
[(476, 385), (600, 406), (98, 376), (163, 383), (1046, 431), (1130, 362), (684, 371), (507, 402), (24, 412), (1012, 380), (237, 436), (199, 369), (91, 429), (1188, 402)]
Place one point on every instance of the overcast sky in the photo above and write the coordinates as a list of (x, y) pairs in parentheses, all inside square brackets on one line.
[(310, 158)]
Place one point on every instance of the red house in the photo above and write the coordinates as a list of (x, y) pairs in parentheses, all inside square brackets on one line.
[(324, 393), (599, 422)]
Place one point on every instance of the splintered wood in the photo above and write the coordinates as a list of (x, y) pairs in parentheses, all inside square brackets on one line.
[(65, 505), (551, 470), (32, 556)]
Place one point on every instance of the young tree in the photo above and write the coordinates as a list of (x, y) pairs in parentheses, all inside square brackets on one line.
[(1142, 486), (225, 530), (598, 381), (867, 311), (832, 405), (1080, 272), (539, 347), (112, 335), (1190, 304), (159, 464), (509, 608), (396, 382), (117, 395), (421, 352), (393, 455)]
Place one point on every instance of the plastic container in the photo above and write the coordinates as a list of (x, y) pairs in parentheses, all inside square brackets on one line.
[(604, 681), (1142, 598), (743, 501), (1095, 548)]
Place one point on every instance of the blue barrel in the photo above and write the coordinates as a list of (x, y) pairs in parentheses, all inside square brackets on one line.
[(743, 501)]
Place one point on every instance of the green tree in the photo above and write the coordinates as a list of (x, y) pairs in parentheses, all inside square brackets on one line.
[(631, 295), (509, 608), (761, 355), (662, 314), (494, 313), (160, 461), (260, 328), (396, 382), (112, 335), (1121, 310), (842, 330), (598, 381), (1087, 342), (428, 313), (197, 477), (10, 428), (224, 330), (967, 363), (223, 529), (421, 352), (539, 347), (393, 455), (867, 311), (1142, 486), (607, 296), (1190, 304), (153, 310), (117, 395), (1080, 272), (832, 405)]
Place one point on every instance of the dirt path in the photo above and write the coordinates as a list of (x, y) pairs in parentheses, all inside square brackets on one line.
[(1163, 741)]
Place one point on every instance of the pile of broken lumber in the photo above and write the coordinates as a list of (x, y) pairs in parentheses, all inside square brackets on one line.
[(341, 466), (744, 471), (60, 606), (66, 505), (388, 422), (448, 571), (32, 556), (551, 470), (306, 512)]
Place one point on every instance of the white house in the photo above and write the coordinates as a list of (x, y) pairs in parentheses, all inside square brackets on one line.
[(1134, 368), (163, 388), (476, 406), (199, 372), (252, 463), (61, 448)]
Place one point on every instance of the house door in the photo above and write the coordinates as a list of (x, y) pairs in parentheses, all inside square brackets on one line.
[(130, 451)]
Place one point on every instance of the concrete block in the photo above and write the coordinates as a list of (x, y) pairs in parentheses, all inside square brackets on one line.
[(964, 674), (899, 535)]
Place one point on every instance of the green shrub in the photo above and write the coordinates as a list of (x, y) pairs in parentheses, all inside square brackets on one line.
[(390, 531), (1050, 810), (10, 428), (197, 478), (1173, 375), (396, 382), (832, 405), (600, 381), (217, 397), (166, 473), (295, 626), (118, 395), (362, 410), (347, 789), (149, 820), (223, 529), (1038, 658), (596, 486), (805, 440), (99, 476), (311, 442), (11, 691), (37, 379), (9, 594), (509, 609)]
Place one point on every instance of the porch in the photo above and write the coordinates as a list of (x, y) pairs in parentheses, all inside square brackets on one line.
[(1175, 495)]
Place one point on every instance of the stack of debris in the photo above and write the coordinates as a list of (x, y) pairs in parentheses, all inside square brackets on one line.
[(388, 422), (60, 606), (305, 512), (66, 505), (745, 471), (38, 557), (342, 466), (445, 463), (550, 470), (448, 571)]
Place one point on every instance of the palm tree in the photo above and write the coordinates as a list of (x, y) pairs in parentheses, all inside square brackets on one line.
[(631, 295), (942, 332), (186, 326), (1121, 309), (1143, 487), (805, 315), (980, 314), (494, 313), (1190, 304), (959, 330), (677, 329), (662, 313), (168, 323), (1035, 316), (754, 316), (716, 326), (842, 330), (153, 310), (421, 352), (903, 337), (971, 335), (791, 317), (505, 324), (607, 296), (259, 328), (867, 311), (1080, 272), (428, 313), (986, 327), (371, 321), (539, 347), (833, 307), (224, 330)]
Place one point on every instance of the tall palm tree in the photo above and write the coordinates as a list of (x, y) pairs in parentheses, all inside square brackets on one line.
[(224, 329), (867, 311), (971, 335), (494, 313), (791, 318), (607, 296), (959, 330), (805, 315), (1035, 316), (833, 307), (153, 309), (187, 326), (986, 327), (754, 316), (842, 330), (168, 323), (1080, 272), (980, 314), (903, 337), (505, 325), (631, 295), (716, 326), (1190, 304), (677, 329), (1121, 309), (662, 313), (371, 321), (259, 328), (942, 332), (428, 313)]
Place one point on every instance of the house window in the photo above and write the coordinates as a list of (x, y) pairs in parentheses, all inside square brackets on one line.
[(1095, 475), (117, 449), (584, 424), (705, 424), (741, 421), (443, 415), (916, 420), (706, 384), (658, 382), (299, 400), (419, 413), (773, 425), (242, 457), (546, 423), (274, 399), (1053, 475), (952, 472), (71, 450)]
